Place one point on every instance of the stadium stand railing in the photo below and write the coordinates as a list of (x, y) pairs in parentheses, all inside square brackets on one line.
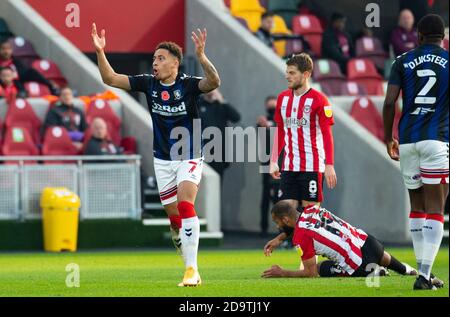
[(107, 190)]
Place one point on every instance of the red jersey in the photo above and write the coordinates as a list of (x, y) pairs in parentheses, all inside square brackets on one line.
[(319, 232), (304, 131)]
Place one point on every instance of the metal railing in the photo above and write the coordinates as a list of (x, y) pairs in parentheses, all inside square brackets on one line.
[(108, 186)]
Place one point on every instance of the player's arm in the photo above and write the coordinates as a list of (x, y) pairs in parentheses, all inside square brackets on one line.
[(274, 243), (309, 270), (326, 121), (109, 76), (211, 80), (278, 143), (393, 91)]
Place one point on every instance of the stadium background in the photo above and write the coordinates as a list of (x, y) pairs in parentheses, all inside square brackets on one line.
[(370, 188)]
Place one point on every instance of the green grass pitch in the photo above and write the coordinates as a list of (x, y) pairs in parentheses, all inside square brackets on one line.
[(224, 274)]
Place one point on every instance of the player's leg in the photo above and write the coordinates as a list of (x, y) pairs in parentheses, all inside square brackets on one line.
[(329, 268), (167, 187), (434, 173), (409, 164), (311, 188), (265, 200), (188, 177), (392, 263)]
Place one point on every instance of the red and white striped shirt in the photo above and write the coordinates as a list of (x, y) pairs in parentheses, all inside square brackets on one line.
[(319, 232), (304, 131)]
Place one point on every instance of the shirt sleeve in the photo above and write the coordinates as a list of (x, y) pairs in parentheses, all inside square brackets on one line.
[(278, 143), (139, 82), (395, 77), (304, 245), (192, 85), (326, 120)]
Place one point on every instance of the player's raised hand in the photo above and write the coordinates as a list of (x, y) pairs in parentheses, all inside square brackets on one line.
[(199, 41), (98, 41), (274, 170), (392, 149), (274, 271), (330, 176)]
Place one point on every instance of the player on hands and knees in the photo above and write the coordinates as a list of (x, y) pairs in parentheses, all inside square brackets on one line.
[(316, 231), (422, 76), (304, 118), (172, 101)]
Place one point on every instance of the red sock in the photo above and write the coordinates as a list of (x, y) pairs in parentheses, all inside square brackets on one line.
[(417, 214), (186, 209), (437, 217), (175, 221)]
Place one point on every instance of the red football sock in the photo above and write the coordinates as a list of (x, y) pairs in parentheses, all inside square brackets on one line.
[(175, 221), (186, 210)]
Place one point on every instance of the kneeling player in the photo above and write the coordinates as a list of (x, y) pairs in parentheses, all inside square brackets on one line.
[(316, 231)]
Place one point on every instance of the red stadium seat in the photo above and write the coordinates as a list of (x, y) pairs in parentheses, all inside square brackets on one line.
[(309, 26), (364, 111), (50, 70), (20, 113), (18, 142), (362, 68), (57, 142), (23, 50), (351, 88), (129, 145), (373, 87), (35, 89), (371, 48), (101, 108), (326, 69)]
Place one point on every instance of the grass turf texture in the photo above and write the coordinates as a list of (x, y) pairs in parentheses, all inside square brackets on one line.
[(224, 273)]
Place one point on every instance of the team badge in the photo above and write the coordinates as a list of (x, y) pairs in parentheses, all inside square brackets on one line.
[(328, 111), (307, 109), (165, 95), (154, 94), (177, 94)]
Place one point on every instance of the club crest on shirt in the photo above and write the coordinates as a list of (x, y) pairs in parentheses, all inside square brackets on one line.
[(177, 94), (165, 95), (307, 109)]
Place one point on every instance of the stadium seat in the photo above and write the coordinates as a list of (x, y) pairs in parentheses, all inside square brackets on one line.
[(249, 10), (351, 88), (364, 111), (50, 71), (363, 71), (279, 27), (361, 68), (293, 47), (371, 48), (287, 9), (264, 3), (309, 26), (326, 69), (20, 113), (101, 108), (35, 89), (57, 142), (23, 50), (329, 88), (18, 142), (129, 145)]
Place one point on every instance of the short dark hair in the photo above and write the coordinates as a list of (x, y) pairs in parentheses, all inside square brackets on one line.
[(431, 26), (303, 62), (270, 97), (3, 40), (173, 49), (267, 14), (337, 16), (283, 208)]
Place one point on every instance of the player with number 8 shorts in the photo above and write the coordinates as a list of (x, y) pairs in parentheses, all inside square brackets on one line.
[(304, 118)]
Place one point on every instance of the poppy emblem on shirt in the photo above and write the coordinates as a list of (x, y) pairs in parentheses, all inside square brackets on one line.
[(177, 94), (165, 95)]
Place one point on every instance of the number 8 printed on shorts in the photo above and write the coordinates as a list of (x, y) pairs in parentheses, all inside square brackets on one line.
[(312, 187)]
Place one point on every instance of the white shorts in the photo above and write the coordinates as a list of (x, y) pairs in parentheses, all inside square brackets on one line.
[(424, 162), (169, 174)]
